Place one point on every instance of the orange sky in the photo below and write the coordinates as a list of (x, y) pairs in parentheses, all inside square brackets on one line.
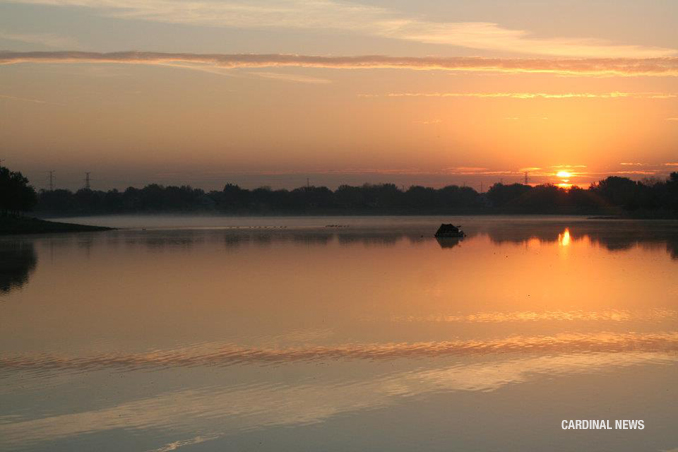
[(308, 100)]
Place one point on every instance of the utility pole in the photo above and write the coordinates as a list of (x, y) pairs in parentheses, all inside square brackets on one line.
[(87, 181), (308, 183), (51, 180)]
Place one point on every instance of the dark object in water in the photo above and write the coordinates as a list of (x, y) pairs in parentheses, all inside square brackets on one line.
[(449, 230), (448, 242)]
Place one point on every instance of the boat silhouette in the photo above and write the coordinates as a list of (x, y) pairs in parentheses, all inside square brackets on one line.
[(449, 231)]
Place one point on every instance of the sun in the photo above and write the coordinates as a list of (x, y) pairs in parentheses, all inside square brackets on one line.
[(564, 174)]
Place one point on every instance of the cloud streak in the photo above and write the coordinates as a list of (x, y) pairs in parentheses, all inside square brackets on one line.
[(28, 100), (614, 95), (22, 99), (292, 78), (667, 67), (335, 16), (45, 39)]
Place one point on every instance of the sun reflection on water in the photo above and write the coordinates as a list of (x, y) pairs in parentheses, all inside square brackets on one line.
[(564, 238)]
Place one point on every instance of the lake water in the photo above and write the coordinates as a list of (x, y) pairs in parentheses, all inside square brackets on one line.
[(283, 334)]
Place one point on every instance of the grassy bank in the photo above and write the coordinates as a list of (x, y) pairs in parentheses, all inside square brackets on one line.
[(11, 225)]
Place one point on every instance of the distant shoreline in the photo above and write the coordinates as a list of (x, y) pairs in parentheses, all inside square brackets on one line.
[(11, 225), (49, 216)]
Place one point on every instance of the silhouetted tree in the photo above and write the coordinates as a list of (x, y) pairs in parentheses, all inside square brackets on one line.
[(500, 194), (232, 198), (672, 192), (540, 199), (619, 191), (651, 197), (15, 193)]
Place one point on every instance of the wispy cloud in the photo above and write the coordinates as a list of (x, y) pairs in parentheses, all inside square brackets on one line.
[(354, 18), (210, 69), (672, 119), (614, 95), (460, 170), (216, 70), (636, 172), (605, 66), (45, 39), (292, 78), (22, 99), (28, 100), (467, 170)]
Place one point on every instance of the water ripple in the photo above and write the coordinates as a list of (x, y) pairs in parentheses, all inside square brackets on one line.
[(605, 342)]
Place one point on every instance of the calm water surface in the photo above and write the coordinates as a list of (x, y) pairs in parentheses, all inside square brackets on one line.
[(282, 334)]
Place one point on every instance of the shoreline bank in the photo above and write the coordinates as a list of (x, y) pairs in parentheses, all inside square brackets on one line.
[(11, 225)]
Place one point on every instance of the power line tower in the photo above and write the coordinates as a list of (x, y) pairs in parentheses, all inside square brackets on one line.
[(526, 181), (51, 180), (87, 181)]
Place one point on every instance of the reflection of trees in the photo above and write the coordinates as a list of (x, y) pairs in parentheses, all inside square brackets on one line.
[(262, 237), (672, 248), (377, 239), (521, 234), (612, 235), (17, 261)]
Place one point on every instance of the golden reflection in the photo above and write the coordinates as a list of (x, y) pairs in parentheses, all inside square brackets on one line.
[(230, 354), (613, 315), (564, 238)]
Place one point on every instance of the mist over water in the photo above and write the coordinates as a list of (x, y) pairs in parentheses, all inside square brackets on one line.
[(277, 333)]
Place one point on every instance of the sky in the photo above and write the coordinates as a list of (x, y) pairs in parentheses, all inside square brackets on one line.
[(278, 92)]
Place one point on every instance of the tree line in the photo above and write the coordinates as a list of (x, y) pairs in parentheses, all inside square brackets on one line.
[(613, 195)]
